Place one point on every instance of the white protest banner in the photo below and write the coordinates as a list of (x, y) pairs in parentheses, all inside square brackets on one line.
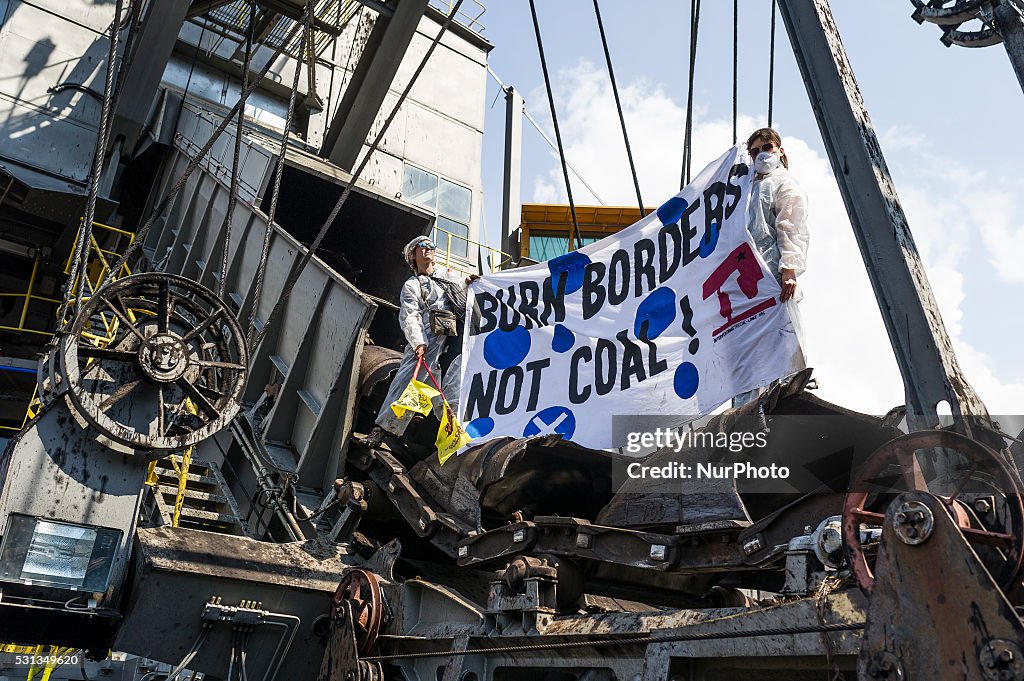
[(673, 315)]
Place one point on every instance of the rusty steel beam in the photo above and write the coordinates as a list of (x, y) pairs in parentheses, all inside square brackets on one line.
[(924, 353)]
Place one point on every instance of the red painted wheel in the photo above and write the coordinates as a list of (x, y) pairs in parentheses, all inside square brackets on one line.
[(362, 591), (895, 462)]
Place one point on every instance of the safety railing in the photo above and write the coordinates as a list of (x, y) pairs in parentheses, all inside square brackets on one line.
[(117, 240), (103, 328), (27, 299), (444, 239), (468, 15), (98, 267)]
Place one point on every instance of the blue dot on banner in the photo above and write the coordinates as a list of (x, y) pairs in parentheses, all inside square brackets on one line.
[(504, 349), (575, 264), (552, 420), (658, 310), (710, 240), (672, 210), (686, 380), (480, 427), (563, 339)]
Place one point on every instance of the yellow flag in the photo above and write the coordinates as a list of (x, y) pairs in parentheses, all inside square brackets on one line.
[(451, 436), (416, 397)]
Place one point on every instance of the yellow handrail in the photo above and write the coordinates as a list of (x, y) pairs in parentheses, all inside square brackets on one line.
[(99, 266), (28, 297), (504, 258)]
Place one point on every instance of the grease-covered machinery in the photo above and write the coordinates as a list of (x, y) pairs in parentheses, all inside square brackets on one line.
[(161, 503)]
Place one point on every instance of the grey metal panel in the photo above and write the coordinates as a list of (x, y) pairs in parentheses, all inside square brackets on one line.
[(315, 344), (161, 238), (55, 469), (51, 131), (179, 570), (43, 195), (92, 15), (157, 35), (457, 97)]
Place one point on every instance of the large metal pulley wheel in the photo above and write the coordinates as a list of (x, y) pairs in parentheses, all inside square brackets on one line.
[(155, 361), (979, 473), (361, 590), (952, 14)]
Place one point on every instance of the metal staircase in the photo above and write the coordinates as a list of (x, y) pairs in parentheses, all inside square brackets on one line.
[(193, 494)]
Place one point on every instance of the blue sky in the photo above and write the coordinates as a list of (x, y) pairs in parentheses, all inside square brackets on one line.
[(945, 116)]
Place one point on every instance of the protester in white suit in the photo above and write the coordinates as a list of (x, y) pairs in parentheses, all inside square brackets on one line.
[(429, 288), (777, 222)]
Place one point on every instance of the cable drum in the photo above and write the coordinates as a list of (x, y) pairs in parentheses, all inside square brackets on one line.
[(155, 362)]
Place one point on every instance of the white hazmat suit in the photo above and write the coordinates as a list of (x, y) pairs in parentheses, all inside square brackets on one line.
[(777, 222), (419, 295)]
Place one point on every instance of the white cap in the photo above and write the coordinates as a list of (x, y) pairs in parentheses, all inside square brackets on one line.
[(411, 246)]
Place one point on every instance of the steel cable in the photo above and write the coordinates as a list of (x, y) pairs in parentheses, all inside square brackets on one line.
[(80, 257), (257, 286), (232, 656), (544, 136), (243, 673), (684, 174), (618, 106), (190, 168), (129, 46), (293, 276), (188, 80), (190, 655), (558, 133), (236, 157), (640, 640)]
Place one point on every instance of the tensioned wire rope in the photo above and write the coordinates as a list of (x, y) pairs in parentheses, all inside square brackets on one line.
[(193, 163), (278, 174), (546, 138), (684, 173), (735, 65), (558, 133), (239, 130), (295, 272), (80, 258), (771, 66)]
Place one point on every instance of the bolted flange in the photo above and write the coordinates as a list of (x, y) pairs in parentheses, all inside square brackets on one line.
[(1001, 660), (164, 357), (913, 522)]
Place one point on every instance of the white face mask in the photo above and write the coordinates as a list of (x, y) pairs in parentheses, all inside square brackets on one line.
[(765, 163)]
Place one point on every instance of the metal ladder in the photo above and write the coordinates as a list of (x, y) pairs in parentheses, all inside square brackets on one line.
[(193, 494)]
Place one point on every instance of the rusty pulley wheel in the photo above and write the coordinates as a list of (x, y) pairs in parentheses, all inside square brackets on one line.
[(155, 362), (894, 466), (361, 589)]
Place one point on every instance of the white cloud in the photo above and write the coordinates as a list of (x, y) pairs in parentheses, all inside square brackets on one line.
[(848, 345)]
